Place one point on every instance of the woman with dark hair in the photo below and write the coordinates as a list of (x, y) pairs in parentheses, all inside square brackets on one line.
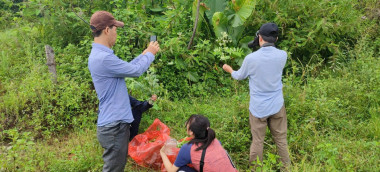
[(204, 152)]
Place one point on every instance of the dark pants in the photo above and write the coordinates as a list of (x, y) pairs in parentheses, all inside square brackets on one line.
[(115, 141), (138, 107)]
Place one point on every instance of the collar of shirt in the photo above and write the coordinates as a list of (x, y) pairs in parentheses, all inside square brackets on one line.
[(102, 47)]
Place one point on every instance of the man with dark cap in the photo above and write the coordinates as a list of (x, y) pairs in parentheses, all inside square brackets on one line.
[(108, 72), (264, 69)]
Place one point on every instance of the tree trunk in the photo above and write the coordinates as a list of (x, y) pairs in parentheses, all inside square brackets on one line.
[(195, 25), (51, 63)]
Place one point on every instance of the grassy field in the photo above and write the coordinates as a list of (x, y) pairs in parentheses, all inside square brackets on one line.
[(321, 138)]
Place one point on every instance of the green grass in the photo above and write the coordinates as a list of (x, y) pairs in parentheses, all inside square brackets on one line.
[(312, 148)]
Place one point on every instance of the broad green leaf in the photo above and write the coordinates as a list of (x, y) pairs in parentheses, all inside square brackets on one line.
[(214, 6), (236, 20), (235, 33), (193, 76), (157, 9), (243, 9), (180, 64), (220, 23)]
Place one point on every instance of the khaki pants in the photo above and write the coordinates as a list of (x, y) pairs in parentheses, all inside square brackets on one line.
[(278, 128)]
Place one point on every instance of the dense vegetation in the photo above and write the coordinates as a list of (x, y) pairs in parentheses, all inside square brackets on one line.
[(331, 79)]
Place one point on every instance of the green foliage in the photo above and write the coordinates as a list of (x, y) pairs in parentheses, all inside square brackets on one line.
[(333, 125), (319, 29), (29, 100), (70, 154), (219, 22), (21, 144), (146, 86), (235, 15), (226, 53), (242, 10), (81, 154), (201, 13), (312, 32), (267, 164), (337, 106), (213, 7), (330, 81)]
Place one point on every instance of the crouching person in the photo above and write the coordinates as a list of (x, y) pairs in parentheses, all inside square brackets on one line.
[(204, 152), (138, 108)]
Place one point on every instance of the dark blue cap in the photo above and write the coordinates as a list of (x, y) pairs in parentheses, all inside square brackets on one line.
[(269, 30)]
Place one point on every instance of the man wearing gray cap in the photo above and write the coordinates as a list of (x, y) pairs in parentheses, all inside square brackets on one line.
[(264, 69), (108, 72)]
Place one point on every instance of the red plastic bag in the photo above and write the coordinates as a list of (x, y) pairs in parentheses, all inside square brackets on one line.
[(145, 148)]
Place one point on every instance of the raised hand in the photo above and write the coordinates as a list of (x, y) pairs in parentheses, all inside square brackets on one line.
[(153, 48), (227, 68)]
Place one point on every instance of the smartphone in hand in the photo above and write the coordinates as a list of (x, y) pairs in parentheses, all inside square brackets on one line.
[(153, 38)]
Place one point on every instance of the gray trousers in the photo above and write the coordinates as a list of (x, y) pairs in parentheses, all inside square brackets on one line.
[(115, 141)]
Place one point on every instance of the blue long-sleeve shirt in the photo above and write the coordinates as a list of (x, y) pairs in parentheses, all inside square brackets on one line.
[(264, 69), (108, 72)]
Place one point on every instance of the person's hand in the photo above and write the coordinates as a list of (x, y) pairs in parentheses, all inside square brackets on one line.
[(152, 99), (153, 48), (227, 68), (162, 150)]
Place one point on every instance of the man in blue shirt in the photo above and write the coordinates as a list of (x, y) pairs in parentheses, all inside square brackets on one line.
[(264, 69), (108, 72)]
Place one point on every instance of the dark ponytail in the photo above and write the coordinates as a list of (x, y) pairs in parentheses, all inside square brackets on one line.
[(203, 134)]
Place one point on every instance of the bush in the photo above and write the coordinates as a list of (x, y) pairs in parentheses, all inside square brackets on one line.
[(30, 101)]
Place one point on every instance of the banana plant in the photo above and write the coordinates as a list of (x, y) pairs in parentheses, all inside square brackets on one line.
[(229, 19), (241, 10)]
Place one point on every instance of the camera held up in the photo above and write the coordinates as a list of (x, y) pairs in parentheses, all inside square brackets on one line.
[(255, 42)]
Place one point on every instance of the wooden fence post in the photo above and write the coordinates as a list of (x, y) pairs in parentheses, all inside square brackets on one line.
[(51, 63)]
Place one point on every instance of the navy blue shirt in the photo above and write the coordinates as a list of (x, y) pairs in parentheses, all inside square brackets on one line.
[(183, 157), (108, 72)]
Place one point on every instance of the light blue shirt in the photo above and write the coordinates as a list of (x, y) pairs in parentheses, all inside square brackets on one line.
[(264, 70), (108, 72)]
